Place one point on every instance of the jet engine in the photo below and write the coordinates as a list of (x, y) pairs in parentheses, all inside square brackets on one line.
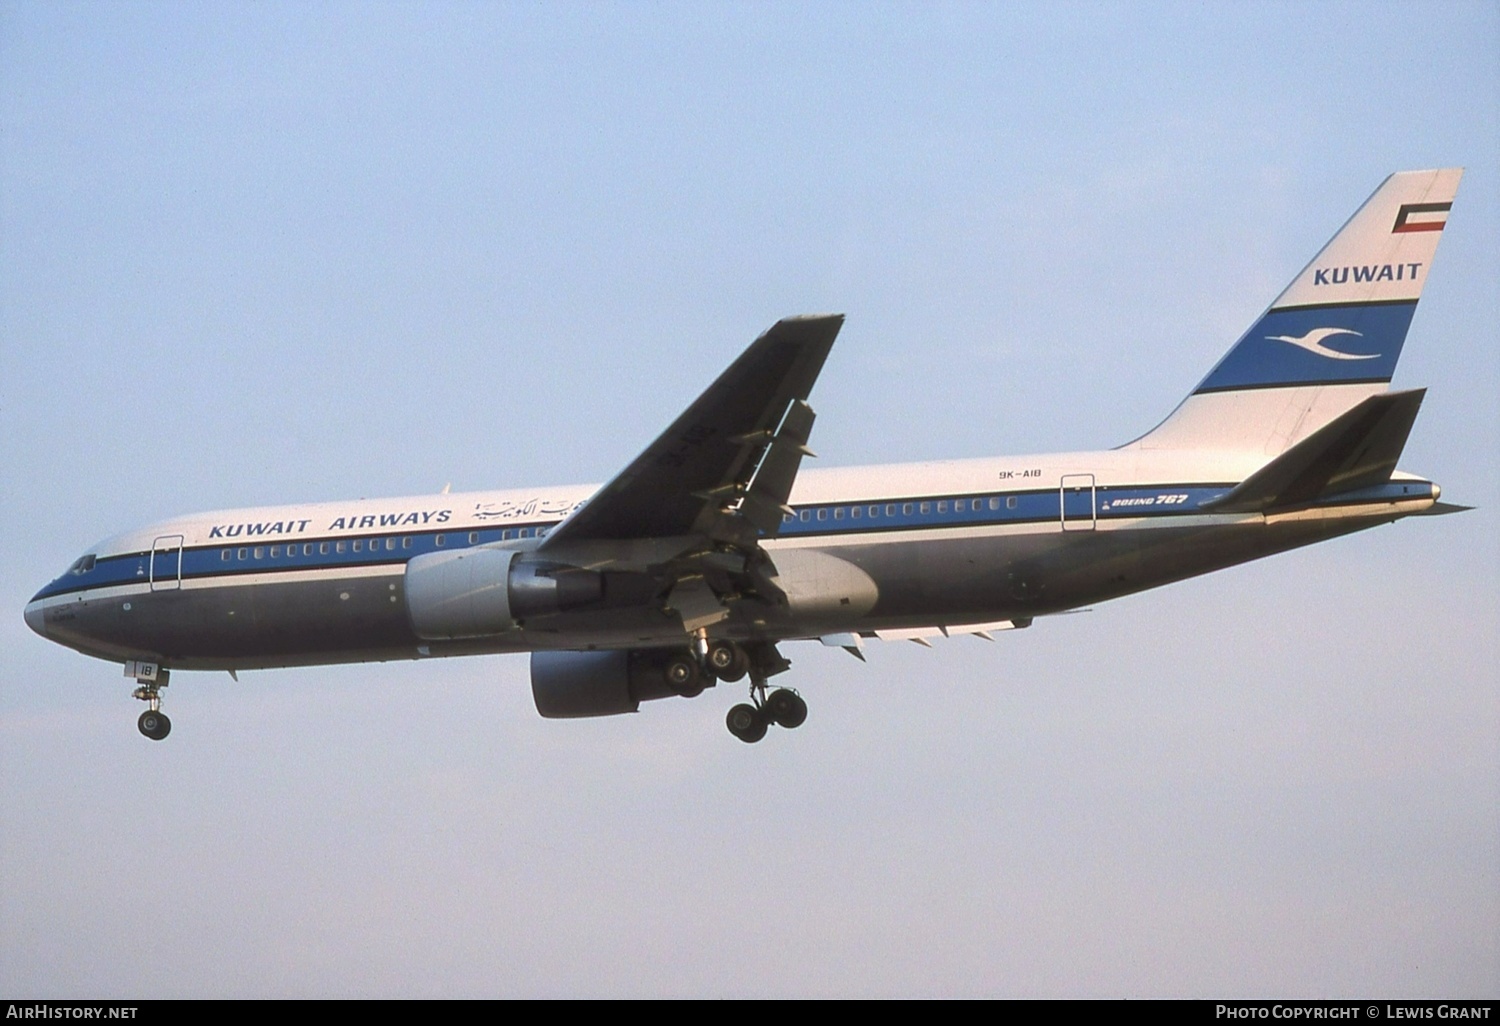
[(567, 685), (471, 593)]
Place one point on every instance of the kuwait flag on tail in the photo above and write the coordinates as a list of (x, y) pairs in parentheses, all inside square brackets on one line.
[(1421, 217)]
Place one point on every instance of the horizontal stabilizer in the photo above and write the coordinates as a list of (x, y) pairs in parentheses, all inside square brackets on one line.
[(1357, 449)]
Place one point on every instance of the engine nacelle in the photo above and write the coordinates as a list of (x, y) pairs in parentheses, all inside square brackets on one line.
[(473, 593), (567, 685)]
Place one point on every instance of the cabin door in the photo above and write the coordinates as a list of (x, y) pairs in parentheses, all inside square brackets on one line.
[(1076, 502), (166, 563)]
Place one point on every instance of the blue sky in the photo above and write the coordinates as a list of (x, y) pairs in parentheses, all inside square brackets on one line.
[(278, 252)]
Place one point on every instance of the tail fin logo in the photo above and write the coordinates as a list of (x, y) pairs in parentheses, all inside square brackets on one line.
[(1313, 343), (1421, 217)]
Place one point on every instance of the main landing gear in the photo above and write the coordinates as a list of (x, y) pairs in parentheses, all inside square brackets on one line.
[(688, 673), (153, 722), (783, 707), (749, 721)]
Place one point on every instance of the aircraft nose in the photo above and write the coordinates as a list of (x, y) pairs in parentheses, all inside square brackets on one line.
[(34, 618)]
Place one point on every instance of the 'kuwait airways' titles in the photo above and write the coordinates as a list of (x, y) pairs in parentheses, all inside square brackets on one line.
[(368, 521)]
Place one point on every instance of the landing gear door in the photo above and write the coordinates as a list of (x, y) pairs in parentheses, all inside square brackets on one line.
[(1076, 501), (166, 563)]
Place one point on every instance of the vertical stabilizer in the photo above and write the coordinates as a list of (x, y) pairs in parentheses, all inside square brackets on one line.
[(1333, 336)]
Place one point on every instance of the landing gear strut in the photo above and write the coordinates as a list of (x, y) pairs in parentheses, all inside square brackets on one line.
[(153, 722)]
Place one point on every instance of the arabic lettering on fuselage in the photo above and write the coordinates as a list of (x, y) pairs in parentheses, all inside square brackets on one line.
[(529, 508)]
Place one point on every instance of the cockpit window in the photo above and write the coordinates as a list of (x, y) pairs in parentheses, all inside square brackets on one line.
[(83, 566)]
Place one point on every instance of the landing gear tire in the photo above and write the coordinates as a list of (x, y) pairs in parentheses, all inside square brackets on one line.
[(786, 708), (683, 675), (727, 661), (746, 723), (154, 724), (150, 679)]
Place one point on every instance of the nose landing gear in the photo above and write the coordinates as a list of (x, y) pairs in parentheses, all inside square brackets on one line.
[(153, 722)]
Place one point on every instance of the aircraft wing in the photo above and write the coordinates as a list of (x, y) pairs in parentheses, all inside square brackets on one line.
[(755, 415)]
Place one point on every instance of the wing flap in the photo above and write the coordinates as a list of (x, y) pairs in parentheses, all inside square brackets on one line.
[(766, 501)]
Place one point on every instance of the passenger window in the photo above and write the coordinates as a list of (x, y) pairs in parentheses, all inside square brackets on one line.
[(473, 537), (1010, 502), (874, 511), (854, 512), (822, 514), (942, 506), (307, 549), (926, 508), (322, 548), (906, 508), (994, 503), (260, 552), (224, 555), (406, 543), (390, 544), (339, 546), (358, 545), (838, 514), (806, 515), (441, 541), (242, 553), (275, 551)]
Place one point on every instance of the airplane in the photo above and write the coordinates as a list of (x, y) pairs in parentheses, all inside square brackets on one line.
[(711, 549)]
